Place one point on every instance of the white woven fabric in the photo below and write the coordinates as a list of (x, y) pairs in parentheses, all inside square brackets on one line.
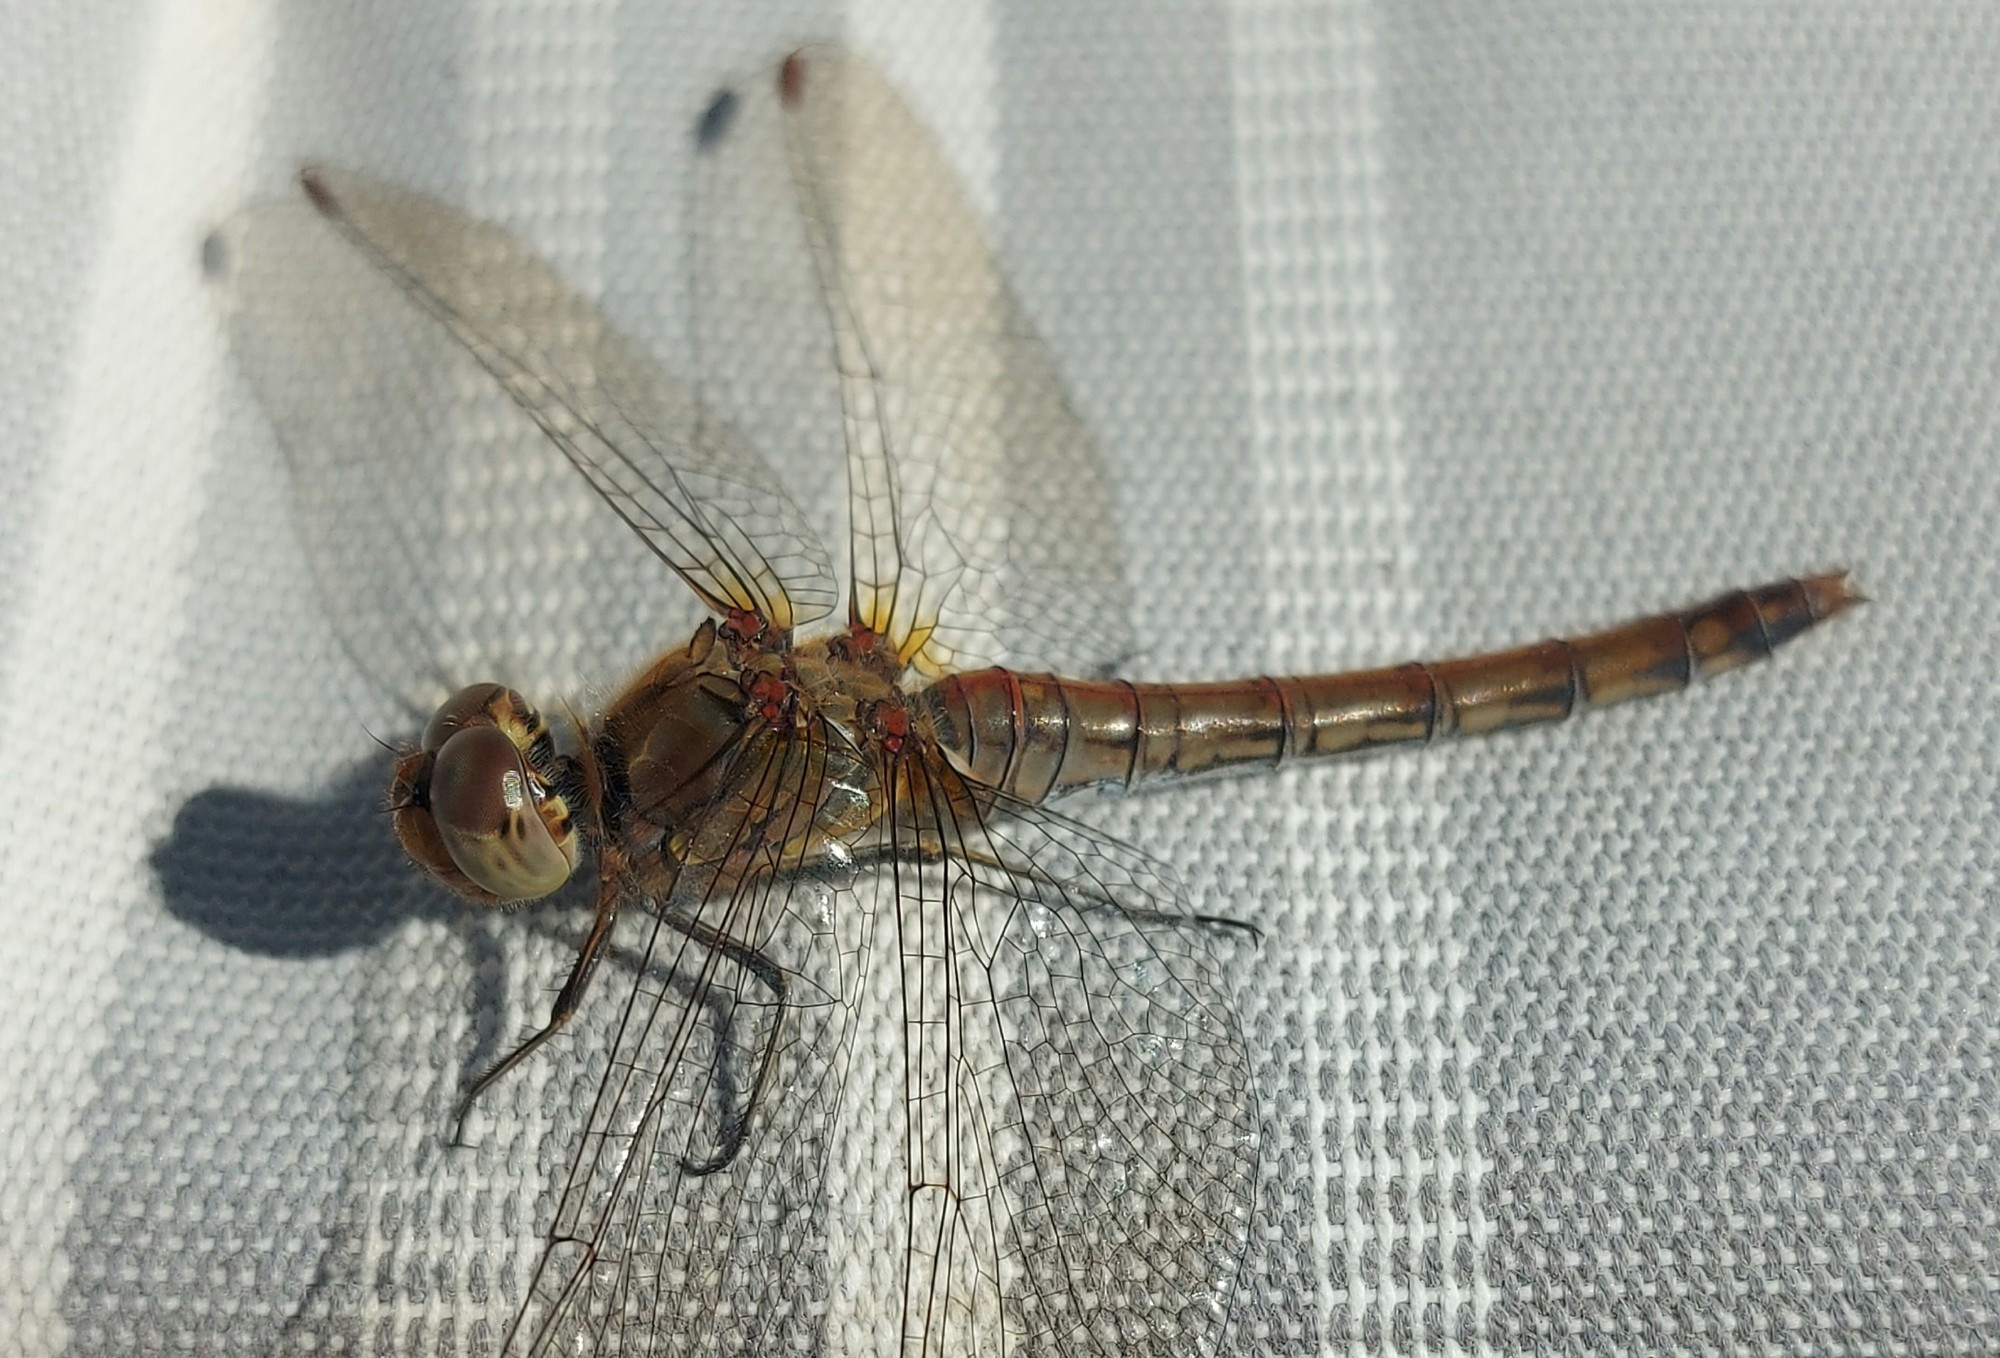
[(1408, 330)]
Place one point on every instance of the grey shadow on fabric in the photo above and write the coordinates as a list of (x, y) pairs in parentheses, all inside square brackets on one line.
[(341, 885)]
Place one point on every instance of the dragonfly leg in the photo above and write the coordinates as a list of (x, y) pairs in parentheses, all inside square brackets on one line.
[(567, 1000), (1225, 922), (736, 1122), (1220, 923), (736, 1118), (932, 852)]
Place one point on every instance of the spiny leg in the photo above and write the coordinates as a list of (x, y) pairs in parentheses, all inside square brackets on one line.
[(1227, 924), (735, 1121), (933, 852), (567, 1000)]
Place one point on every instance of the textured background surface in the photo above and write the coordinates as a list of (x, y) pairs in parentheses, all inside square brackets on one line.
[(1408, 330)]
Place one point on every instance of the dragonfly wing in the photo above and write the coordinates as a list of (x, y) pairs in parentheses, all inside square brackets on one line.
[(682, 478), (676, 472), (980, 512), (757, 319), (656, 1248), (391, 433), (1081, 1128)]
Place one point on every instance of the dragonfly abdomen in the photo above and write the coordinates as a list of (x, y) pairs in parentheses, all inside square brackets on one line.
[(1036, 735)]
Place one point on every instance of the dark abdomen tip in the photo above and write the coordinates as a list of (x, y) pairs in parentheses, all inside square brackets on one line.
[(1830, 594)]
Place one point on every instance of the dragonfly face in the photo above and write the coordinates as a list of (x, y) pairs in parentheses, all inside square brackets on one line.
[(481, 803)]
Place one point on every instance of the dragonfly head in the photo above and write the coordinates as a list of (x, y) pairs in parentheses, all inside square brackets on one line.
[(477, 804)]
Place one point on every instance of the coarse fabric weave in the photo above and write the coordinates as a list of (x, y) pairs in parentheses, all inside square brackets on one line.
[(1408, 330)]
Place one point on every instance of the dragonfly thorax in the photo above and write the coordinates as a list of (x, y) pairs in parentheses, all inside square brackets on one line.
[(479, 803)]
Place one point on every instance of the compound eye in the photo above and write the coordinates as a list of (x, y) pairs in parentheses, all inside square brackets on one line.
[(487, 806), (467, 707)]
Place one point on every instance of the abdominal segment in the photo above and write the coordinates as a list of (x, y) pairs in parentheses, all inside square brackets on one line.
[(1035, 735)]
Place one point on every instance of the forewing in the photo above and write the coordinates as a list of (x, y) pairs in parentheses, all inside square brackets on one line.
[(980, 513), (439, 527), (1082, 1131), (390, 452), (757, 319), (674, 471), (646, 1255)]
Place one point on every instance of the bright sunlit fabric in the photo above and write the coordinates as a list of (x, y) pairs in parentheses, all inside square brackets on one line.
[(1406, 331)]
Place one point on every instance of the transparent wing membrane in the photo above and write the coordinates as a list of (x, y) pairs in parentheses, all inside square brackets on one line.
[(678, 474), (446, 537), (885, 1062), (656, 1248), (1082, 1142), (980, 513)]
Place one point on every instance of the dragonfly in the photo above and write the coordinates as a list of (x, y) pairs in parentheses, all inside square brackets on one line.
[(867, 949)]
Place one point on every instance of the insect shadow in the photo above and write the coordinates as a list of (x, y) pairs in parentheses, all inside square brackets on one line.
[(317, 876), (312, 877)]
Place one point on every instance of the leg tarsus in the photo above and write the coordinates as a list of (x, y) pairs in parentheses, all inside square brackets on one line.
[(1226, 922)]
